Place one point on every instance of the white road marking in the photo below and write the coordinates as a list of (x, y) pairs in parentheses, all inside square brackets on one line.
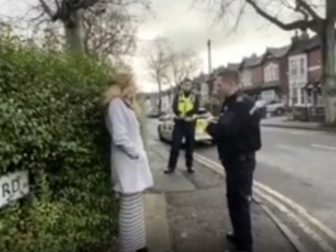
[(299, 209), (324, 147), (298, 133), (308, 230), (287, 147), (290, 131), (280, 201)]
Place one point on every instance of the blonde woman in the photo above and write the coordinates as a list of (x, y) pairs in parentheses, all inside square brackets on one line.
[(131, 174)]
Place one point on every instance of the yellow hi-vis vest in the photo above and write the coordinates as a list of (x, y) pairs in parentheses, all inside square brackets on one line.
[(185, 104)]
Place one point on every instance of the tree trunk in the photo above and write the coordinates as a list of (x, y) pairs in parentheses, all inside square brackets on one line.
[(160, 97), (73, 35), (328, 38)]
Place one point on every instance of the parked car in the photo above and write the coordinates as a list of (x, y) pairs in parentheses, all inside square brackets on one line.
[(275, 108), (166, 126), (261, 104)]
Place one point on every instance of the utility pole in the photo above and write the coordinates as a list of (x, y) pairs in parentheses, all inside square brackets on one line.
[(209, 56), (209, 72)]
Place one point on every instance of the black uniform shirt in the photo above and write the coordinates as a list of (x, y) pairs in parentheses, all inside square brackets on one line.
[(238, 128)]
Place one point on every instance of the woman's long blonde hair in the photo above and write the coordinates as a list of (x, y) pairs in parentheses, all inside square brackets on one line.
[(123, 88)]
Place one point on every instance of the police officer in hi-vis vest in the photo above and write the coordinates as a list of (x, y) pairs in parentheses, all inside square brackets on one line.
[(185, 107)]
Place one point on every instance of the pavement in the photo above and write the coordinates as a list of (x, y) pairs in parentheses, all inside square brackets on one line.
[(284, 122), (188, 212)]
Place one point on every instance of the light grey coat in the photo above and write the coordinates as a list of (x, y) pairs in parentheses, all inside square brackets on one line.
[(129, 162)]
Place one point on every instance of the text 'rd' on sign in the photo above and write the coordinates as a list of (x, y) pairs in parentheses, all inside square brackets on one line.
[(13, 186)]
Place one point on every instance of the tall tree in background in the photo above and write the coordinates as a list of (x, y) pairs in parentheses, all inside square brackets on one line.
[(170, 66), (157, 59), (76, 15), (183, 64), (110, 32), (318, 16)]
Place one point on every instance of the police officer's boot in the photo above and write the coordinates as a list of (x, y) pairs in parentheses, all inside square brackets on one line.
[(190, 170), (231, 238), (168, 171)]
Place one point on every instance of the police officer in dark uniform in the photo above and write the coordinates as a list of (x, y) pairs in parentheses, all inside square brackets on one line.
[(185, 107), (237, 135)]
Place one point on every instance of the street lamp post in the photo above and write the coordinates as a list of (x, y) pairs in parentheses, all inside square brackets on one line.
[(210, 71), (209, 56)]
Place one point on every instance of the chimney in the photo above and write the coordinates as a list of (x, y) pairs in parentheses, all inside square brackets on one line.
[(304, 35), (295, 38)]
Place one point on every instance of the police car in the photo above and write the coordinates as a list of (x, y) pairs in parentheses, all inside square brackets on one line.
[(203, 117)]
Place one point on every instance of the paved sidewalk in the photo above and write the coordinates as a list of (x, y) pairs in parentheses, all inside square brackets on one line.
[(187, 213), (283, 122)]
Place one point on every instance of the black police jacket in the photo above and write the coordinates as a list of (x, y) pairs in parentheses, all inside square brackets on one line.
[(238, 128)]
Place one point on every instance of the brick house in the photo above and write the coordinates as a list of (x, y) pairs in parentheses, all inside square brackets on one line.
[(305, 94), (275, 70), (251, 75)]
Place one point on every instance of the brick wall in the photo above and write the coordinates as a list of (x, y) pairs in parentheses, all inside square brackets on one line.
[(314, 65), (258, 75)]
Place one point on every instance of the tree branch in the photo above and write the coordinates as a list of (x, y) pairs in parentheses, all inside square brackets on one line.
[(304, 5), (299, 24), (47, 9)]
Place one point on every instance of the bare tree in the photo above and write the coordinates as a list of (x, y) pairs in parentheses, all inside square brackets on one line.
[(318, 16), (158, 63), (183, 64), (68, 13), (170, 66), (75, 15), (110, 32)]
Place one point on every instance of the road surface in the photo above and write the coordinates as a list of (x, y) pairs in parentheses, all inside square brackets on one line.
[(300, 165)]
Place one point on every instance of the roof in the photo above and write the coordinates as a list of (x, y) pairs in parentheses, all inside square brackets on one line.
[(278, 52), (306, 45), (233, 66), (252, 61), (314, 43)]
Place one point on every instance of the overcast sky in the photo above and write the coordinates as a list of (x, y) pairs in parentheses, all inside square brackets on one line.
[(191, 26)]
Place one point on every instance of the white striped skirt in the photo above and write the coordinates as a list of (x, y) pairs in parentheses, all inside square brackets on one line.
[(132, 235)]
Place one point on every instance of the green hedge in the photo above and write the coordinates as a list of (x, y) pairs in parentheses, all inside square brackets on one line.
[(52, 125)]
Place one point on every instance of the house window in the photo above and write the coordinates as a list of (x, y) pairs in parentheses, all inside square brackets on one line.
[(271, 73), (294, 69), (302, 66), (302, 96), (309, 98), (294, 96), (276, 73)]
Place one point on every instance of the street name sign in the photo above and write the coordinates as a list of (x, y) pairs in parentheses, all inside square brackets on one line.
[(13, 186)]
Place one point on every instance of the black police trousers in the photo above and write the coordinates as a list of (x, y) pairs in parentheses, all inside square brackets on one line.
[(239, 179), (182, 130)]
